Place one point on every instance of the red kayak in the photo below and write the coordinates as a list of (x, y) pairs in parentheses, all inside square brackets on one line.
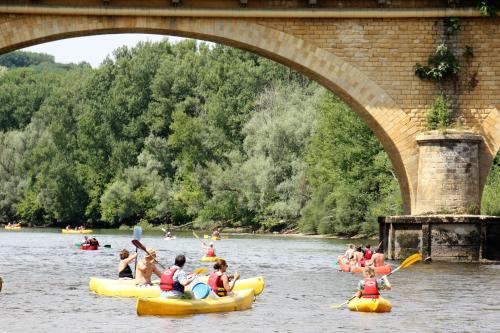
[(88, 247), (345, 267)]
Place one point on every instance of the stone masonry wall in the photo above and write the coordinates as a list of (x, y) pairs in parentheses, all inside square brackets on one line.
[(368, 62), (448, 174)]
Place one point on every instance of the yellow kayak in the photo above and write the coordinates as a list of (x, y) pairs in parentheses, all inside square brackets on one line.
[(240, 300), (214, 238), (370, 305), (71, 231), (12, 228), (127, 288), (209, 259)]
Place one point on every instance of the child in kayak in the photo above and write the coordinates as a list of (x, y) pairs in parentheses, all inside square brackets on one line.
[(369, 287), (174, 279), (221, 283), (124, 271)]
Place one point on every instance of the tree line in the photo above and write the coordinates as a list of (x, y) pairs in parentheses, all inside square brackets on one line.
[(176, 133)]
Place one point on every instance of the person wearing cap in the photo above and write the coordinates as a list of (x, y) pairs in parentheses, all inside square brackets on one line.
[(210, 250), (145, 269), (124, 270)]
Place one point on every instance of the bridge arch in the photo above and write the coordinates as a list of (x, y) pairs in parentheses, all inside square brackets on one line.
[(392, 126)]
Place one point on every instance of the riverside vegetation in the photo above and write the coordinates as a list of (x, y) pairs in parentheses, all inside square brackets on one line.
[(188, 133)]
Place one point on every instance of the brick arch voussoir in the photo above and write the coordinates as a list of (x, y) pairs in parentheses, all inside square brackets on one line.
[(373, 104)]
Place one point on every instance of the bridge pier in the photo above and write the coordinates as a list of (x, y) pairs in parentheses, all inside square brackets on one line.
[(444, 225)]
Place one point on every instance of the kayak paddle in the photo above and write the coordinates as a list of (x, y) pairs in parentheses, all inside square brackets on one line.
[(139, 245), (198, 238), (200, 270), (137, 235), (406, 263)]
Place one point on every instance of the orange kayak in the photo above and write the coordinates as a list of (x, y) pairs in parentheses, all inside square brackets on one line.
[(345, 267)]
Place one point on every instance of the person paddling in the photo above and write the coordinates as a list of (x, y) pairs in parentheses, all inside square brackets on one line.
[(124, 270), (145, 269), (216, 233), (370, 287), (368, 252), (357, 259), (221, 283), (377, 259), (174, 279), (210, 250)]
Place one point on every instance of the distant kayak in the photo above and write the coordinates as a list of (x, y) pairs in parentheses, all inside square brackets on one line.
[(12, 228), (240, 300), (209, 259), (214, 238), (71, 231), (87, 247), (345, 267), (369, 305), (170, 238)]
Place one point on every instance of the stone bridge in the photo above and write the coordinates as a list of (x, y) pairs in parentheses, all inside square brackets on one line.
[(364, 51)]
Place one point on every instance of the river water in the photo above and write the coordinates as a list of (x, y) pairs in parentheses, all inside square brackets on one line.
[(46, 288)]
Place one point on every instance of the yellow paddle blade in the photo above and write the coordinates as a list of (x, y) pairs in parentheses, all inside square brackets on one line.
[(195, 235), (200, 270), (411, 260)]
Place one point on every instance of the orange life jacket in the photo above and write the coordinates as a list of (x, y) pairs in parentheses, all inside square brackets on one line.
[(215, 282), (167, 282), (210, 252), (371, 289)]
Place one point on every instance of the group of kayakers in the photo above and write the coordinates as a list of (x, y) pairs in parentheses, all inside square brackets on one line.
[(90, 241), (357, 256), (174, 279), (81, 227)]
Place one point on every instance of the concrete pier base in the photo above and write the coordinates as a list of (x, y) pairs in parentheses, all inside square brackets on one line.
[(454, 238)]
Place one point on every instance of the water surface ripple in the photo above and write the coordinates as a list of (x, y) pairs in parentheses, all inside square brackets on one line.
[(46, 288)]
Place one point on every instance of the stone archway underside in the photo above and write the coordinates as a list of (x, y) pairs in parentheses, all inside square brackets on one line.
[(374, 105)]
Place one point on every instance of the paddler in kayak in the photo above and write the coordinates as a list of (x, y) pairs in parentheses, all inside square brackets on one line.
[(210, 250), (370, 287), (221, 283), (368, 252), (216, 233), (145, 269), (377, 259), (357, 259), (174, 279), (124, 270)]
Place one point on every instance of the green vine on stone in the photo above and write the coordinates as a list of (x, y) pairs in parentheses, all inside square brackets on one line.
[(441, 66), (488, 7)]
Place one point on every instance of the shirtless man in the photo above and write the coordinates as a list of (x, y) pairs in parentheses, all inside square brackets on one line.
[(145, 268), (377, 259)]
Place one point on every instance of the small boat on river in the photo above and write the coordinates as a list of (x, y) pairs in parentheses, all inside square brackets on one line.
[(128, 288), (209, 259), (72, 231), (88, 247), (239, 300), (345, 267), (17, 228), (369, 305)]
